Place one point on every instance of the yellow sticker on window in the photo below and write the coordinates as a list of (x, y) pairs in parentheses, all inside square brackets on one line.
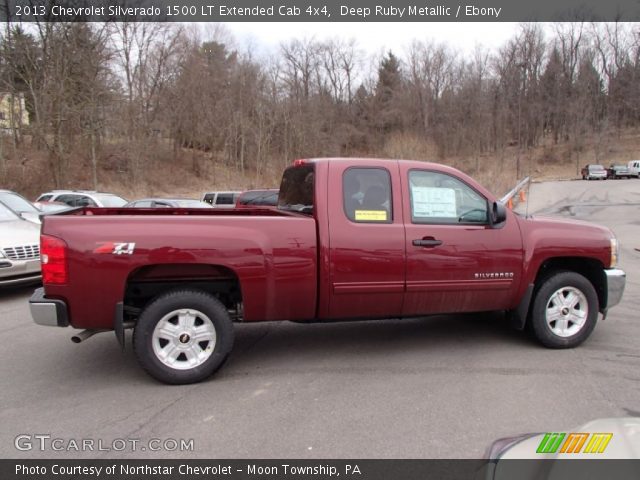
[(371, 215)]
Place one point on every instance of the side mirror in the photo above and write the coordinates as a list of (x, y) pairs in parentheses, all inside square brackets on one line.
[(498, 214)]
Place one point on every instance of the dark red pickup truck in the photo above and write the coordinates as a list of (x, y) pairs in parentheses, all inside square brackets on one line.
[(351, 239)]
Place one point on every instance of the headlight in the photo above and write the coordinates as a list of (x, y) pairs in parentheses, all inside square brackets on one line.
[(614, 252)]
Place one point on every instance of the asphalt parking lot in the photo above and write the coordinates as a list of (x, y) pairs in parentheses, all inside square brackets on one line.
[(439, 387)]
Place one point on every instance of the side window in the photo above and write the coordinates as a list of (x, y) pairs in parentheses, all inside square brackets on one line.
[(143, 204), (161, 205), (443, 199), (367, 195), (44, 198), (68, 199), (225, 199), (209, 198), (82, 201)]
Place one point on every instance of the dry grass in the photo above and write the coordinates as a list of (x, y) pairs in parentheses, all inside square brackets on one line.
[(157, 170)]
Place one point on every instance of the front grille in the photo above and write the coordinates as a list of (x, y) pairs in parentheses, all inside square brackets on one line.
[(24, 252)]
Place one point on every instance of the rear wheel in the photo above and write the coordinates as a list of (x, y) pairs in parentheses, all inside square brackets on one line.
[(565, 310), (183, 336)]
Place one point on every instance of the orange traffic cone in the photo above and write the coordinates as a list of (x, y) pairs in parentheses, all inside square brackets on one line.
[(523, 197), (510, 204)]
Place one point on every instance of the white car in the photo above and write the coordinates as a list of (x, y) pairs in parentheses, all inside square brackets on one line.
[(19, 249), (83, 198)]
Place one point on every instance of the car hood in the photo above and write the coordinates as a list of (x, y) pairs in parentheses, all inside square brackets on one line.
[(554, 222), (623, 444), (18, 232)]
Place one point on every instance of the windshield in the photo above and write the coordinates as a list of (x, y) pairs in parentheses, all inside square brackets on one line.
[(17, 203), (111, 200), (297, 189), (7, 215), (596, 168)]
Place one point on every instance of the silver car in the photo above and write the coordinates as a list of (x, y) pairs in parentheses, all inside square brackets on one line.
[(19, 249), (20, 205)]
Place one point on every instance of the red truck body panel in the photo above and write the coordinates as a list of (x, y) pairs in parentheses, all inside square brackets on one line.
[(273, 256), (321, 266)]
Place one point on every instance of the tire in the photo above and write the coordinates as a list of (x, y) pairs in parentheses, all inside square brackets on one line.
[(572, 299), (165, 339)]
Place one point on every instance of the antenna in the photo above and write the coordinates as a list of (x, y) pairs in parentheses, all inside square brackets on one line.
[(526, 211)]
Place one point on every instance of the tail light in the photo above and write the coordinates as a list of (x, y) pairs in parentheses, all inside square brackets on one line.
[(53, 255)]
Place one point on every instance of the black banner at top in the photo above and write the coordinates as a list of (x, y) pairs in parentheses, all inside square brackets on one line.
[(319, 10)]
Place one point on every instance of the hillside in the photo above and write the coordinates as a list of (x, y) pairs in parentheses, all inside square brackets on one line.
[(189, 172)]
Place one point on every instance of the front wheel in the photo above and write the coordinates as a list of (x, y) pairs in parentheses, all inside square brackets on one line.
[(183, 336), (565, 310)]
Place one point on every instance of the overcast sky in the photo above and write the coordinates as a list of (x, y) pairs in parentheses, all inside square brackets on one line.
[(374, 37)]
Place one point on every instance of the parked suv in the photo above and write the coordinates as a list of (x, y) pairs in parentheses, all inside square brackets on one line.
[(83, 198), (597, 172), (221, 199), (634, 168)]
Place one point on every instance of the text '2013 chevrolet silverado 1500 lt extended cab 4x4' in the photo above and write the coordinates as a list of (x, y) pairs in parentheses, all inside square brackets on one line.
[(351, 239)]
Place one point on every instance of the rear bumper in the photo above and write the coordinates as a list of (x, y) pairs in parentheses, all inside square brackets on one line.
[(616, 280), (47, 311)]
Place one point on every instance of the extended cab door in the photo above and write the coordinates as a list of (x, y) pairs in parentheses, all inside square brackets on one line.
[(367, 243), (456, 260)]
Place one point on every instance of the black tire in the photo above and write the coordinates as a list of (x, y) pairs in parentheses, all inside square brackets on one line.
[(206, 309), (569, 282)]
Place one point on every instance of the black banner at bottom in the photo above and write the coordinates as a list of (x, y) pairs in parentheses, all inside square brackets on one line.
[(319, 469)]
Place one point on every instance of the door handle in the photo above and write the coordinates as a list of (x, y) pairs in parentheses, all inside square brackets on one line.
[(428, 242)]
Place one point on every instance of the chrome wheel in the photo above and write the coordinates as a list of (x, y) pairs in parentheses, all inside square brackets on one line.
[(567, 311), (184, 339)]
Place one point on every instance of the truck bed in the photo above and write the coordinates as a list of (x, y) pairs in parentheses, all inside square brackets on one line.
[(266, 254)]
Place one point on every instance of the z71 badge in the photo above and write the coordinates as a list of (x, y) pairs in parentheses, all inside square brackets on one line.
[(116, 248)]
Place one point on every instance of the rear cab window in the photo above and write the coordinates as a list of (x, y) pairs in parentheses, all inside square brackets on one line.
[(297, 189)]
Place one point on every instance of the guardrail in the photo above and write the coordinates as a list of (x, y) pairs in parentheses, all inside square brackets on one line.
[(508, 198)]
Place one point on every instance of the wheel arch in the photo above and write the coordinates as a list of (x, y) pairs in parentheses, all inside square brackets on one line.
[(590, 268), (146, 283)]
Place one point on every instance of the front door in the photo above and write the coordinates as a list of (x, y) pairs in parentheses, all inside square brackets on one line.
[(456, 261)]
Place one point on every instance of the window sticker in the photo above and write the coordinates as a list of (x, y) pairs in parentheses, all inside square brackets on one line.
[(371, 215), (434, 202)]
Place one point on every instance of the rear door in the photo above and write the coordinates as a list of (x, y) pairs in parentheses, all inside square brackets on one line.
[(456, 261), (367, 240)]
